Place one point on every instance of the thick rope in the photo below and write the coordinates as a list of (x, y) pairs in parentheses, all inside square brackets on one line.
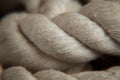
[(26, 53), (18, 48), (20, 73), (51, 8), (60, 38), (69, 39)]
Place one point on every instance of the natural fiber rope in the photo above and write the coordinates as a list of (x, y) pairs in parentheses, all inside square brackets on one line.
[(26, 53), (17, 49), (19, 73), (51, 8), (69, 39), (63, 40)]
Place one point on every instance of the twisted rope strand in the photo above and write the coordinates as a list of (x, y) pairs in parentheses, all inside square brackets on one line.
[(67, 40), (87, 32), (19, 73), (105, 15), (49, 38), (52, 8), (17, 50)]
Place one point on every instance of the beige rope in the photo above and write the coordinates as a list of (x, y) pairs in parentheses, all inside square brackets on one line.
[(61, 39), (26, 53), (19, 73), (69, 39), (51, 8), (102, 15), (18, 48)]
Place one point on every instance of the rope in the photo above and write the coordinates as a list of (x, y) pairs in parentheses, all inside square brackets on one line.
[(20, 73), (57, 37), (60, 43), (51, 8)]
